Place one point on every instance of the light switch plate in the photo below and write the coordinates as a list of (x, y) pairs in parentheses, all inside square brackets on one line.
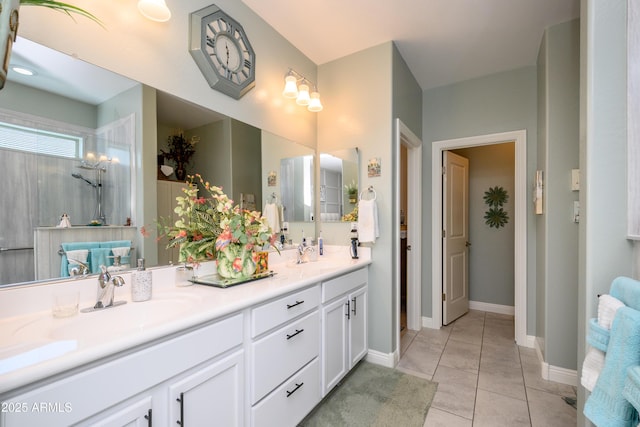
[(575, 179)]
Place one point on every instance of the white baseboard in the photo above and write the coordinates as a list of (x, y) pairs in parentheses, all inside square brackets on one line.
[(427, 322), (555, 373), (389, 360), (492, 308), (530, 342)]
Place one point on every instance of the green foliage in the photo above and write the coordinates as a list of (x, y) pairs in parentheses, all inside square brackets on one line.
[(496, 217), (61, 7), (496, 196)]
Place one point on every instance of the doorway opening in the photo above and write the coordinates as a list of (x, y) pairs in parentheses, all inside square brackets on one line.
[(520, 230), (405, 139)]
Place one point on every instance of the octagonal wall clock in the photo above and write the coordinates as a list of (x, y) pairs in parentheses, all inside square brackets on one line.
[(221, 49)]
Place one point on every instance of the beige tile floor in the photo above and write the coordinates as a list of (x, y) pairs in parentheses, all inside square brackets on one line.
[(484, 378)]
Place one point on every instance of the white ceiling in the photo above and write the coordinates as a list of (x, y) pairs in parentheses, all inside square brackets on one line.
[(442, 41)]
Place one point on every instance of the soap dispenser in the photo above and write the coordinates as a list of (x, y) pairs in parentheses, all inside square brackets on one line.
[(141, 283), (354, 240)]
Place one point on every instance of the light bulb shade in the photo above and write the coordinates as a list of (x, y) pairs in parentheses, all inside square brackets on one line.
[(290, 87), (155, 10), (303, 95), (314, 103)]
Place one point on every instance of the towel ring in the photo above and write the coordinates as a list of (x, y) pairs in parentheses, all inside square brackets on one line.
[(367, 191)]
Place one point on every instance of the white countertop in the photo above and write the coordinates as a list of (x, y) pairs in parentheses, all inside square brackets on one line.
[(34, 345)]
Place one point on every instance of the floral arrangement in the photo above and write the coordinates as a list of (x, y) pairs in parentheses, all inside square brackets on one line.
[(352, 189), (209, 225), (180, 150), (351, 216)]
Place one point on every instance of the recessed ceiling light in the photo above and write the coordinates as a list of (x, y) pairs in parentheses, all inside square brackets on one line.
[(23, 71)]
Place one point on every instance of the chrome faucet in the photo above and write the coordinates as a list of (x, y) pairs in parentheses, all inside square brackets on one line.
[(107, 288), (80, 269), (303, 253)]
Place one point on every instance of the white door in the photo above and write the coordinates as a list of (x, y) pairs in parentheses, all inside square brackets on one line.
[(455, 237)]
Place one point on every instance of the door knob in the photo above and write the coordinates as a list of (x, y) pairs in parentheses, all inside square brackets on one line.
[(467, 244)]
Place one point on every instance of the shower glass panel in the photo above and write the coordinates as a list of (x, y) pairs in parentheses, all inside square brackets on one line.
[(296, 188)]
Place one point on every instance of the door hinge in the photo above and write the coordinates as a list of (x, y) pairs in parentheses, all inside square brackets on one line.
[(444, 234), (444, 170), (444, 296)]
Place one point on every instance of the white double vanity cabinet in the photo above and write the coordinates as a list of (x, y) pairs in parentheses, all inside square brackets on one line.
[(263, 353)]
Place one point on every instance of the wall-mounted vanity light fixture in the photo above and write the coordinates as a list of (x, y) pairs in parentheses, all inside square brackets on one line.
[(297, 86), (155, 10)]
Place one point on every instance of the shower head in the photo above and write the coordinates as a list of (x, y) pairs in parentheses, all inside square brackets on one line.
[(79, 176)]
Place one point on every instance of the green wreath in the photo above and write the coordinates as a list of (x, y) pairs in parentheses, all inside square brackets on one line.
[(496, 196), (496, 217)]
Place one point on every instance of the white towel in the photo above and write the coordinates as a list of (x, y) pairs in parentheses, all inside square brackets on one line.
[(368, 221), (78, 255), (271, 212), (591, 368), (594, 360), (607, 307)]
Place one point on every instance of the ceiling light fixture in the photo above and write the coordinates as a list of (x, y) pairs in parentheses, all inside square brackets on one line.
[(297, 86), (155, 10)]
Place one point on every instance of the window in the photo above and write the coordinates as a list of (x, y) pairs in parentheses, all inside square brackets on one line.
[(38, 141)]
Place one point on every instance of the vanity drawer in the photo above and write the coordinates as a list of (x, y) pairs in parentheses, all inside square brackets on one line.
[(280, 354), (343, 284), (290, 402), (283, 309)]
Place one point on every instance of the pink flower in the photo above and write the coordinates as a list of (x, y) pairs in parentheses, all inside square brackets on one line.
[(223, 240), (237, 264), (144, 231), (182, 233)]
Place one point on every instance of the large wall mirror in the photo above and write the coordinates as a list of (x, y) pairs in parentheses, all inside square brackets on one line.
[(103, 112)]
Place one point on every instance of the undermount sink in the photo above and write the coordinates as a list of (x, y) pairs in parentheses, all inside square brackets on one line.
[(39, 337), (114, 320)]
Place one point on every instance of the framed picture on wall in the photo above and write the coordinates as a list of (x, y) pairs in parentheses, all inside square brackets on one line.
[(373, 167)]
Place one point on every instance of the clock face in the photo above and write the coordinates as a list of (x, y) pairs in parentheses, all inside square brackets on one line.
[(222, 51)]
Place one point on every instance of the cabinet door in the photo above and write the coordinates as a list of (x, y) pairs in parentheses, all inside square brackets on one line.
[(334, 343), (357, 326), (134, 413), (212, 396)]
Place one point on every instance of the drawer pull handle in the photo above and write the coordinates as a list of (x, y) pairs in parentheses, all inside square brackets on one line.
[(293, 305), (181, 400), (298, 331), (354, 309), (289, 393), (149, 418), (348, 313)]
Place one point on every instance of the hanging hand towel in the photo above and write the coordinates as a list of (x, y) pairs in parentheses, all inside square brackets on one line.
[(606, 406), (598, 337), (591, 368), (607, 307), (626, 290), (368, 221), (273, 216)]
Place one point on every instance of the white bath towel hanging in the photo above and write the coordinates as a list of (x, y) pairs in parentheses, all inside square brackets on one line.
[(368, 229), (272, 213)]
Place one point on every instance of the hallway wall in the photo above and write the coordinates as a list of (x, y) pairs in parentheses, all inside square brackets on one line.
[(558, 143)]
